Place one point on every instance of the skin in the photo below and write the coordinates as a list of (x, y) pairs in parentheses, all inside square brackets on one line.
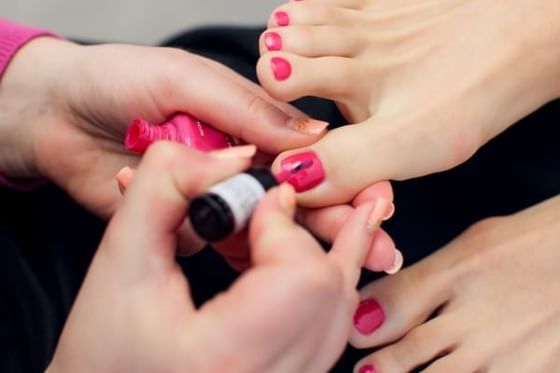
[(422, 89), (134, 312), (494, 293), (70, 130), (65, 109), (426, 84)]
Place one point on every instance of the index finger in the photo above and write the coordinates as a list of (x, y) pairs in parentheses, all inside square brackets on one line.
[(242, 110)]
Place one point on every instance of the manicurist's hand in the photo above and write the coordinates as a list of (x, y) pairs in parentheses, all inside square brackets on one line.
[(65, 109), (134, 312)]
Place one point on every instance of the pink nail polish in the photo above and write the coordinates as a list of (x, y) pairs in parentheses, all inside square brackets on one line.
[(282, 18), (368, 317), (272, 41), (281, 68), (182, 128), (367, 369), (303, 171)]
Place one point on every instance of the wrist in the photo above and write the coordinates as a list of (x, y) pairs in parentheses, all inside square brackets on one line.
[(30, 98)]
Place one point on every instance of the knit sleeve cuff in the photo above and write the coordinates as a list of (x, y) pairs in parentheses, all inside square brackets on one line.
[(13, 37)]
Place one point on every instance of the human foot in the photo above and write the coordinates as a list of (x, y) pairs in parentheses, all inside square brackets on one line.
[(429, 81), (494, 292)]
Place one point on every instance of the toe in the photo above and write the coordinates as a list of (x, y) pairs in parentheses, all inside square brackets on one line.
[(403, 301), (312, 41), (287, 77), (311, 14), (421, 345), (460, 361)]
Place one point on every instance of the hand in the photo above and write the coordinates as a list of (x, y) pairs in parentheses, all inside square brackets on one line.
[(324, 222), (134, 313), (65, 109)]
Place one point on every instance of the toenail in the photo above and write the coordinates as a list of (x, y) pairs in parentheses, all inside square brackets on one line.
[(367, 369), (282, 18), (273, 41), (368, 317), (281, 68), (303, 171)]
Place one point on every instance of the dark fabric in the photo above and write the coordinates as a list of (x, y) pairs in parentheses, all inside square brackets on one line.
[(47, 241)]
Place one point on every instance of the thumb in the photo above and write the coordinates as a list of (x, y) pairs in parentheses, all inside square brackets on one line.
[(274, 236), (143, 232)]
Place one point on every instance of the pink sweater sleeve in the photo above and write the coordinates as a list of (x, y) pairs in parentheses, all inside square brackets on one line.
[(12, 38)]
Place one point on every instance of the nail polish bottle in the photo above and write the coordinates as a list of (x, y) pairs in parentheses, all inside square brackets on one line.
[(226, 207), (182, 128)]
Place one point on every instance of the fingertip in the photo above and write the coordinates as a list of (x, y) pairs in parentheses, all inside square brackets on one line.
[(287, 199), (382, 253), (381, 189), (124, 177)]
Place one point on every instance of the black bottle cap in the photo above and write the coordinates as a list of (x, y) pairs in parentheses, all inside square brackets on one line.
[(264, 176), (211, 217)]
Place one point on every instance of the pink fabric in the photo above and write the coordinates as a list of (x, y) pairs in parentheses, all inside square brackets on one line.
[(12, 38)]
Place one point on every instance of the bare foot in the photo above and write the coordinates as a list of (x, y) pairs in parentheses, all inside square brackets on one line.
[(428, 81), (495, 291)]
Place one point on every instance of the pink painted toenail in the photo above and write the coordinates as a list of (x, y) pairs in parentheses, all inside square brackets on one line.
[(282, 18), (367, 369), (368, 317), (273, 41), (281, 68)]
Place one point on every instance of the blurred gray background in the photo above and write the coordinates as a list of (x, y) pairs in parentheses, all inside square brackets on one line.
[(134, 21)]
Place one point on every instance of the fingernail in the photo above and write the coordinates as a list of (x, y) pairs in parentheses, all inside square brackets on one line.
[(308, 126), (235, 152), (397, 263), (272, 41), (287, 197), (124, 176), (303, 171), (368, 317), (378, 214), (282, 18), (281, 68), (367, 369), (390, 212)]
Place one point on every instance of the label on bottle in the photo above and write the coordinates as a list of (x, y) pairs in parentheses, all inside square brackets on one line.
[(242, 193)]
